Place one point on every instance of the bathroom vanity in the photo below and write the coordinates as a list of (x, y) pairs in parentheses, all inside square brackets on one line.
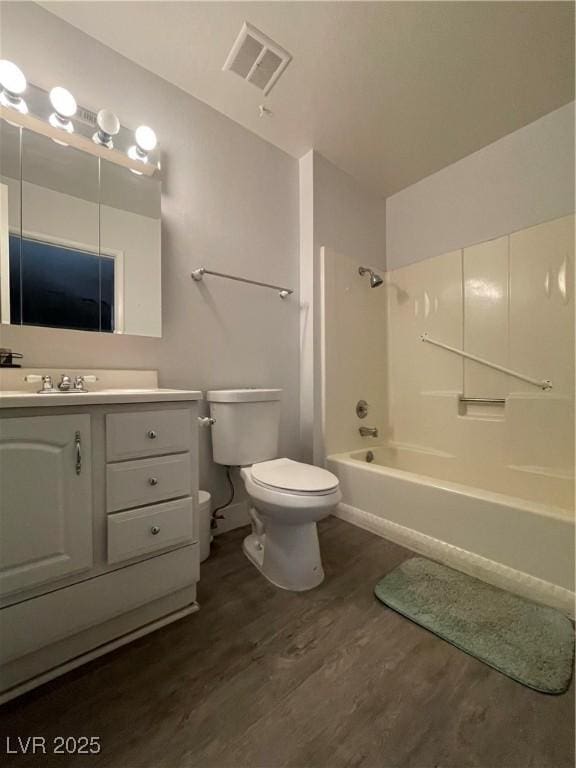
[(99, 531)]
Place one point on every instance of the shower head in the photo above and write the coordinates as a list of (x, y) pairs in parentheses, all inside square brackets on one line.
[(375, 280)]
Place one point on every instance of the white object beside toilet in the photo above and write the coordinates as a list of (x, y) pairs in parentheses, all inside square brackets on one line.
[(287, 497), (204, 524)]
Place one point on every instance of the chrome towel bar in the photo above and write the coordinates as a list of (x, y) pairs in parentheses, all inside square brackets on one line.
[(198, 275), (483, 400), (543, 384)]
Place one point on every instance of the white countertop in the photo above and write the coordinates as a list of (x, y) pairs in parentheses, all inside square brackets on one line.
[(19, 399)]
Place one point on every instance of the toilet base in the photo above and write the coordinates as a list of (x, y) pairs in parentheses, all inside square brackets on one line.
[(287, 555)]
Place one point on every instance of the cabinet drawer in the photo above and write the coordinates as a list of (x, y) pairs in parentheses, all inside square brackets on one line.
[(147, 433), (147, 481), (148, 529)]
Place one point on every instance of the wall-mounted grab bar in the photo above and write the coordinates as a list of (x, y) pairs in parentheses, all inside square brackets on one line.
[(483, 400), (543, 384), (198, 275)]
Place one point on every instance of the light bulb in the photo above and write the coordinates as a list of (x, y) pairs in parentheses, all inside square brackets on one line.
[(145, 142), (65, 105), (108, 126), (13, 85), (63, 101), (12, 78), (145, 138)]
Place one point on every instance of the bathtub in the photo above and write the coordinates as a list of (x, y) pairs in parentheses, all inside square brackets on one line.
[(516, 543)]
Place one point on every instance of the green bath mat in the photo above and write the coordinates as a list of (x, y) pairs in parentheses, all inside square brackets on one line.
[(528, 642)]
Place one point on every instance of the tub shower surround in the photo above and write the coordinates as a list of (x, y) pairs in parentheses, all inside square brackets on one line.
[(510, 301), (477, 467)]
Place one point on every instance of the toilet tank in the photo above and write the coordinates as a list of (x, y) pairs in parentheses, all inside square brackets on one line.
[(247, 425)]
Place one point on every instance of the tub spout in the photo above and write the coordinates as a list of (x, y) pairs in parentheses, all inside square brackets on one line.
[(368, 431)]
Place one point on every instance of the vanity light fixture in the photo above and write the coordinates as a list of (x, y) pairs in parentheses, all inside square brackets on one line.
[(64, 108), (108, 126), (13, 85), (136, 151)]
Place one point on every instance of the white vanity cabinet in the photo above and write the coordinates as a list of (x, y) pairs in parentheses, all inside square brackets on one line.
[(98, 526), (46, 498)]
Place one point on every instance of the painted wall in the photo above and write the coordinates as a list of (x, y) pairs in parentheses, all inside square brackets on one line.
[(353, 353), (523, 179), (230, 202), (347, 219)]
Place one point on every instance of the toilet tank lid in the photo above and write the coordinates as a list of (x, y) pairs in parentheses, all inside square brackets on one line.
[(242, 395)]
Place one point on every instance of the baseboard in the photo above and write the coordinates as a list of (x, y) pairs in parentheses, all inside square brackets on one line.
[(235, 516), (480, 567)]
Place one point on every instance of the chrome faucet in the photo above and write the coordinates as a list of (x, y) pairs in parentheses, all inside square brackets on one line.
[(77, 385), (65, 383), (368, 431)]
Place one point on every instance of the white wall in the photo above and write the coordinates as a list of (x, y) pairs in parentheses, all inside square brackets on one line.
[(307, 290), (230, 202), (523, 179), (353, 355), (345, 218)]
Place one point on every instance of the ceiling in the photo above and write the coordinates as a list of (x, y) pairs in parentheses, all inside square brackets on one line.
[(388, 91)]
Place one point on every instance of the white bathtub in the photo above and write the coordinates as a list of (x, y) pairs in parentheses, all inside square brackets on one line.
[(519, 544)]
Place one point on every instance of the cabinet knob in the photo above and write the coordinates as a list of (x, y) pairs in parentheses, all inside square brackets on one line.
[(152, 481), (155, 530), (152, 434)]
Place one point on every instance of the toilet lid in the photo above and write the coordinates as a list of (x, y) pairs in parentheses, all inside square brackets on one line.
[(294, 476)]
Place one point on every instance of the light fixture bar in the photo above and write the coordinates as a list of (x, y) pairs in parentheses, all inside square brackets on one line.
[(76, 140)]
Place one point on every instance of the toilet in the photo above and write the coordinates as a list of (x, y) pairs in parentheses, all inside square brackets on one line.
[(287, 497)]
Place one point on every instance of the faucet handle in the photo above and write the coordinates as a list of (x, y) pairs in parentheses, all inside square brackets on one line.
[(80, 381), (47, 385)]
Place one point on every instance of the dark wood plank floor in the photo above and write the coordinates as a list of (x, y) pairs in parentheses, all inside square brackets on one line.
[(264, 678)]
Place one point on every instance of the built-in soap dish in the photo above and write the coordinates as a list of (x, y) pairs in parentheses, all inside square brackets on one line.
[(482, 407)]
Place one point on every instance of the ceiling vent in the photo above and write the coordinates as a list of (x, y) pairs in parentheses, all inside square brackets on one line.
[(257, 59)]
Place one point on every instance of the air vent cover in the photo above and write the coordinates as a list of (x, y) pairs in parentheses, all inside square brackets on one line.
[(257, 58)]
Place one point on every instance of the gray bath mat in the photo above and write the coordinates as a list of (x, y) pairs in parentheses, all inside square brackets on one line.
[(528, 642)]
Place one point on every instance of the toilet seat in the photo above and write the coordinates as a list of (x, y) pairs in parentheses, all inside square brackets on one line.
[(293, 477)]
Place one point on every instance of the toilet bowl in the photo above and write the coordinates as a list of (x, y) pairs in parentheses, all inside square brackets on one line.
[(288, 498)]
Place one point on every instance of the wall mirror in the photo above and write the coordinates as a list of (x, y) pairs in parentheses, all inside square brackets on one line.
[(79, 238)]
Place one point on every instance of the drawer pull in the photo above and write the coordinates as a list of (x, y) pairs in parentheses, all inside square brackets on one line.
[(152, 434), (152, 481), (155, 530)]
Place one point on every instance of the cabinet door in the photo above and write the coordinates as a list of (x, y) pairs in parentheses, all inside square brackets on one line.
[(45, 498)]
